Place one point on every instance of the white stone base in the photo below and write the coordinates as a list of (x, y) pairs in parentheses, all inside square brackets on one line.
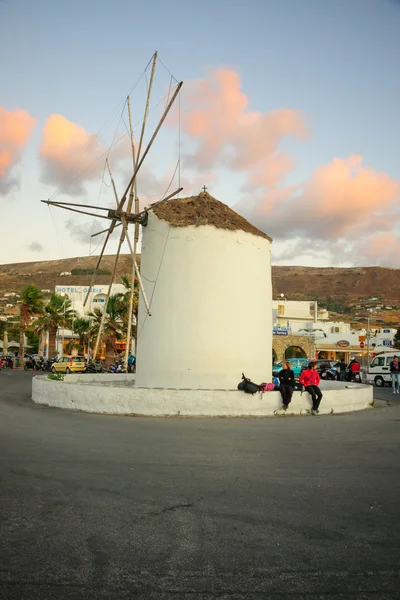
[(111, 395)]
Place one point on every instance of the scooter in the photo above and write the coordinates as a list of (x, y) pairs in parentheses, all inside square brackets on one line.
[(117, 368), (353, 377), (94, 368), (30, 364)]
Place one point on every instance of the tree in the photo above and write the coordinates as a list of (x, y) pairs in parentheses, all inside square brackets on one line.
[(82, 329), (113, 324), (57, 313), (396, 341), (127, 297), (32, 305)]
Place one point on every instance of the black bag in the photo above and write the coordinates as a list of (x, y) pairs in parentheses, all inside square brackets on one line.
[(247, 386)]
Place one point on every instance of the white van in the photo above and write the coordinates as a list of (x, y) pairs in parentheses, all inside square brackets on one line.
[(379, 370)]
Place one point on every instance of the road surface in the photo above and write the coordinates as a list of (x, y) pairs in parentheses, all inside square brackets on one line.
[(94, 507)]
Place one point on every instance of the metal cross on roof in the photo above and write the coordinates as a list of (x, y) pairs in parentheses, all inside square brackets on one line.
[(204, 188)]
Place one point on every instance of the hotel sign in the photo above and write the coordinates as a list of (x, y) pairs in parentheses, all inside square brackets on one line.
[(78, 289)]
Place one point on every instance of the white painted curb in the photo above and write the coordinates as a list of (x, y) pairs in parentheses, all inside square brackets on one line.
[(126, 399)]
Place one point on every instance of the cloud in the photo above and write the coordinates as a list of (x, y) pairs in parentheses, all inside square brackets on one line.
[(81, 232), (227, 133), (72, 157), (35, 247), (346, 211), (15, 128)]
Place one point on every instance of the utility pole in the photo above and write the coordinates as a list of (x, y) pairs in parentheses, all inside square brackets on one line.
[(368, 335)]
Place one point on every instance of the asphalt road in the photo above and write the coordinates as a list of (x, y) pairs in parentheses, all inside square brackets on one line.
[(97, 507)]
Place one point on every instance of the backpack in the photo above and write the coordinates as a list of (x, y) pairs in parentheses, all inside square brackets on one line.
[(247, 386), (267, 387)]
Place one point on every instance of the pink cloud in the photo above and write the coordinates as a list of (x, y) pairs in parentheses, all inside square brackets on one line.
[(67, 150), (15, 128), (226, 132), (72, 157)]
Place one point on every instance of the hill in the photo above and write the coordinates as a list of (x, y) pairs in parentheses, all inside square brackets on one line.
[(346, 292)]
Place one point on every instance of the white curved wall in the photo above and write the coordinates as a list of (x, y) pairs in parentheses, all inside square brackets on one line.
[(211, 297), (126, 399)]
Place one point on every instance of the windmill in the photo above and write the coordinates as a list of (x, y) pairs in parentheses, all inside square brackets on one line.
[(122, 215)]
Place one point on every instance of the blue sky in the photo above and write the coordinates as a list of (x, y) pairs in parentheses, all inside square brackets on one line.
[(335, 61)]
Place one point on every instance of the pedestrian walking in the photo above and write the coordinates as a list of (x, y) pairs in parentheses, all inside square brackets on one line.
[(286, 384), (342, 370), (311, 380), (395, 373)]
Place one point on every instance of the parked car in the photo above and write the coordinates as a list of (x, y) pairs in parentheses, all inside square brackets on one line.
[(379, 370), (327, 369), (69, 364), (296, 364)]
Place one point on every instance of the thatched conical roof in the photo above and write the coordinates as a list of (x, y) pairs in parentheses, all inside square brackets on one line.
[(204, 209)]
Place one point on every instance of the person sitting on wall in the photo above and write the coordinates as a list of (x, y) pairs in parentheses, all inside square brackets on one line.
[(311, 380), (286, 383)]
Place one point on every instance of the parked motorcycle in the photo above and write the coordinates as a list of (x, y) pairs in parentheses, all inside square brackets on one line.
[(94, 368), (117, 368), (30, 365), (353, 377)]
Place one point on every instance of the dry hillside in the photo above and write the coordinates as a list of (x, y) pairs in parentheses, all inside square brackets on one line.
[(353, 289)]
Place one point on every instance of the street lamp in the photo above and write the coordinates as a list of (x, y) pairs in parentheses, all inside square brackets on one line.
[(311, 339)]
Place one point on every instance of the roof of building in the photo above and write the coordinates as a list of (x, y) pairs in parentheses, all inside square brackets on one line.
[(204, 209)]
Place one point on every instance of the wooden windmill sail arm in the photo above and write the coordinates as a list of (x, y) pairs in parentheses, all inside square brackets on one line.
[(124, 234), (133, 195), (82, 212), (146, 110), (109, 232), (105, 230), (61, 204), (149, 145), (103, 316)]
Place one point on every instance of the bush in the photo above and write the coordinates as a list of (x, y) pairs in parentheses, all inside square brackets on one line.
[(56, 376), (90, 272)]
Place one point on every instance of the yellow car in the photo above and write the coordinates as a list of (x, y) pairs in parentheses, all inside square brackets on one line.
[(69, 364)]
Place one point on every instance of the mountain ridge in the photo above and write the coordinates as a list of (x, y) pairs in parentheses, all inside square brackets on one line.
[(337, 287)]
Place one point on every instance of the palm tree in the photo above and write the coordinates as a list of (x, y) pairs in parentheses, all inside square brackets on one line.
[(127, 297), (113, 324), (32, 304), (57, 313), (82, 328)]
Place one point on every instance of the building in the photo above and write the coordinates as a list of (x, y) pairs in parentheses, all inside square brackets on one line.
[(97, 296), (76, 294), (302, 330), (295, 315)]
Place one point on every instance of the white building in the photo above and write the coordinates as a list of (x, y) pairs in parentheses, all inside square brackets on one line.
[(97, 296), (295, 315), (77, 294)]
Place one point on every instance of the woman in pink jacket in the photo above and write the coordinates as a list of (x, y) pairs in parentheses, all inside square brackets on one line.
[(310, 379)]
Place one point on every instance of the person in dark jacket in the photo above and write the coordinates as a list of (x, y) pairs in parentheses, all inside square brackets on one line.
[(342, 370), (395, 373), (286, 384)]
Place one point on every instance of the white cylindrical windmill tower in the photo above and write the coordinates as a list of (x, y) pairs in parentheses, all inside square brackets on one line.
[(207, 274)]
